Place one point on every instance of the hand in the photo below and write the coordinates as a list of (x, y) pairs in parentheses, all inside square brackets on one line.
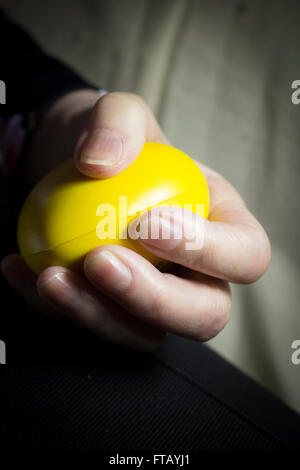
[(121, 296)]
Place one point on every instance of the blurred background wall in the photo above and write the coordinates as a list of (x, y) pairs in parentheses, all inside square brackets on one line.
[(217, 74)]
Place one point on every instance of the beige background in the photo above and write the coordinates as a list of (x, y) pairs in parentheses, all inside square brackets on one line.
[(218, 75)]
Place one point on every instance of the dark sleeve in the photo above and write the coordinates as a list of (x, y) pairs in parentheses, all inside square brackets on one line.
[(33, 79)]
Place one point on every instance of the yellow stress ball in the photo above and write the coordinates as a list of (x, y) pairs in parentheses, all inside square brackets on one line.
[(66, 214)]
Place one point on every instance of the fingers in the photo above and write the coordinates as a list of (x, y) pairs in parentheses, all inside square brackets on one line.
[(71, 294), (231, 245), (62, 293), (120, 125), (245, 235), (196, 307)]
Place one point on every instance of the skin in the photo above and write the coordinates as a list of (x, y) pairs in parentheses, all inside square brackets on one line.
[(121, 296)]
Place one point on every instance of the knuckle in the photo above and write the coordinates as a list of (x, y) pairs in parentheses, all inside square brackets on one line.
[(108, 99), (258, 259), (159, 304), (217, 318), (126, 108), (130, 100)]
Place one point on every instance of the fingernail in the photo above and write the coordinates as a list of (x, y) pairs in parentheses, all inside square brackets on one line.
[(101, 147), (162, 232), (108, 269), (61, 281)]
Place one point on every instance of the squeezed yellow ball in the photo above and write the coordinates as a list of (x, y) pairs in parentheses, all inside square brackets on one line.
[(66, 214)]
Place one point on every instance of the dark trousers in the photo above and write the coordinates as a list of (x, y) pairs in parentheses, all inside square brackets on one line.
[(64, 388)]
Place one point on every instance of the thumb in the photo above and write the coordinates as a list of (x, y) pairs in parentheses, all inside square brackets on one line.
[(120, 124)]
